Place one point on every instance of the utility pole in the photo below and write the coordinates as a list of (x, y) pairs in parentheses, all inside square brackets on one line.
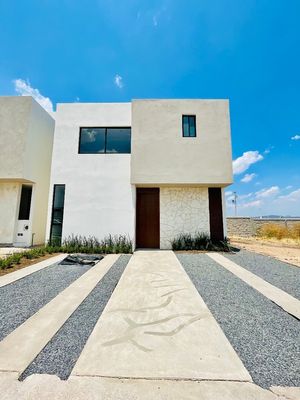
[(234, 201)]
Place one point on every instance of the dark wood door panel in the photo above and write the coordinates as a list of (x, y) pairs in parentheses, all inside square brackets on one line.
[(216, 214), (147, 217)]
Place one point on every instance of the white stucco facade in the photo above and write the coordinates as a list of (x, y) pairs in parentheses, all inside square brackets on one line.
[(26, 137), (99, 199), (101, 188)]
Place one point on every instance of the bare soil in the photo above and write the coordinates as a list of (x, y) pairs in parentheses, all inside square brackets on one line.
[(286, 250), (25, 263)]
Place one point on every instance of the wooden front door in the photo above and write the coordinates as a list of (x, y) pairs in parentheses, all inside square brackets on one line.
[(147, 218), (216, 214)]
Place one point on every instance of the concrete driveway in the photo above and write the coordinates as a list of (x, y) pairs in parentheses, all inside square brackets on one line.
[(156, 325)]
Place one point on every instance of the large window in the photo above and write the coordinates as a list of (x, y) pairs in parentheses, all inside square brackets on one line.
[(25, 202), (104, 140), (57, 214), (189, 126)]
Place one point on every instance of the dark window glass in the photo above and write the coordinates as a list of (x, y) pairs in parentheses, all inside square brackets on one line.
[(189, 126), (25, 202), (104, 140), (57, 214), (92, 140), (118, 140)]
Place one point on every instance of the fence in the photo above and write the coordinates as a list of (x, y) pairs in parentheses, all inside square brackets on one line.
[(248, 226)]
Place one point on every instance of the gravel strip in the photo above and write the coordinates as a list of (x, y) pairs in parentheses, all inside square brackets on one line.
[(284, 276), (266, 338), (23, 298), (60, 355)]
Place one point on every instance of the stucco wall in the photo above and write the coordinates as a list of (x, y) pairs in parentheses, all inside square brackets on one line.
[(26, 136), (160, 155), (9, 200), (182, 210), (247, 226), (99, 198), (14, 121)]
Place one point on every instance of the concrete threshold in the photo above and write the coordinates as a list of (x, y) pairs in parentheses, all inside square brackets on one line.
[(45, 387), (19, 348), (156, 326), (284, 300), (21, 273)]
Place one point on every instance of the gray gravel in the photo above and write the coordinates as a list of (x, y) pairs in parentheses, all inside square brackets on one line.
[(266, 338), (278, 273), (61, 353), (23, 298)]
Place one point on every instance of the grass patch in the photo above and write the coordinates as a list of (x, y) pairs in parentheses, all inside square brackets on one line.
[(199, 241), (72, 244)]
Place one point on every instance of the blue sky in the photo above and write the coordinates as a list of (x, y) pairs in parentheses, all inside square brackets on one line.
[(244, 50)]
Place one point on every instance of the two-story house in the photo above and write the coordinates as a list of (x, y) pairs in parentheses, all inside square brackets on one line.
[(151, 169)]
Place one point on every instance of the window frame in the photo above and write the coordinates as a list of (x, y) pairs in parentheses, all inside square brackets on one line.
[(53, 209), (105, 138), (189, 116)]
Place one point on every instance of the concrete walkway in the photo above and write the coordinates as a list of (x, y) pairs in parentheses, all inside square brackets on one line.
[(157, 326), (284, 300)]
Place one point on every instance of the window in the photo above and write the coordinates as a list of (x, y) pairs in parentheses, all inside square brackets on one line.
[(25, 202), (189, 125), (104, 140), (57, 214)]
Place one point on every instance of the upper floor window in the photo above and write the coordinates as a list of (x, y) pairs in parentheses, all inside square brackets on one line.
[(189, 125), (104, 140)]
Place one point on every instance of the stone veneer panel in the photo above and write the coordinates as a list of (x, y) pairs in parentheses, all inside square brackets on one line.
[(182, 210)]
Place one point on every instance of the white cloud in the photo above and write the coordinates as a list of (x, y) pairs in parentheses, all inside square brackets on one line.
[(288, 187), (118, 80), (296, 137), (248, 178), (251, 204), (293, 196), (228, 193), (154, 20), (267, 192), (242, 163), (24, 89)]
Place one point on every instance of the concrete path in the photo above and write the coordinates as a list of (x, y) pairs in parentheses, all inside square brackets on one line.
[(156, 326), (21, 273), (49, 387), (278, 296), (19, 348)]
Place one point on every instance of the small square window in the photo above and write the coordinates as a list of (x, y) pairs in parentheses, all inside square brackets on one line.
[(189, 125)]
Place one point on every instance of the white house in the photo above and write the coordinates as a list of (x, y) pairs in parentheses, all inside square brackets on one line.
[(150, 168), (26, 137)]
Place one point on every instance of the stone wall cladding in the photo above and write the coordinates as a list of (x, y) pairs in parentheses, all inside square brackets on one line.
[(182, 210), (246, 226)]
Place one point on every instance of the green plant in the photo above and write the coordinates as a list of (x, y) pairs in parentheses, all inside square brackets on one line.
[(200, 241)]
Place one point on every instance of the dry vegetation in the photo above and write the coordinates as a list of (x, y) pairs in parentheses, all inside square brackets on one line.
[(279, 232)]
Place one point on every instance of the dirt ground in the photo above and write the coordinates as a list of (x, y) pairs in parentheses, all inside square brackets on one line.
[(25, 263), (286, 250)]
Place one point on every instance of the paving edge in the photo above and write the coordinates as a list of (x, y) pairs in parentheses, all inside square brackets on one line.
[(284, 300)]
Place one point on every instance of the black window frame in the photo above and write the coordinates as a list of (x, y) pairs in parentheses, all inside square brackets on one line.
[(57, 209), (105, 139), (189, 116)]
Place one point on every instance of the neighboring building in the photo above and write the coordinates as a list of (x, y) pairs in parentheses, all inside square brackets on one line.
[(26, 136), (150, 169)]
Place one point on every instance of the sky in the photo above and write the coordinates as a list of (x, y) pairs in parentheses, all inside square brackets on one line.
[(112, 51)]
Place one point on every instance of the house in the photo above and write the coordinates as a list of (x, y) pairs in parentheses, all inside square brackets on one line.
[(26, 137), (151, 169)]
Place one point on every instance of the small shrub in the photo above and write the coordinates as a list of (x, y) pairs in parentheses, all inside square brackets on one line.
[(200, 241), (295, 231)]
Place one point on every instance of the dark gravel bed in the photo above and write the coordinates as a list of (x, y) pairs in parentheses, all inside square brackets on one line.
[(23, 298), (60, 355), (266, 338), (284, 276)]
